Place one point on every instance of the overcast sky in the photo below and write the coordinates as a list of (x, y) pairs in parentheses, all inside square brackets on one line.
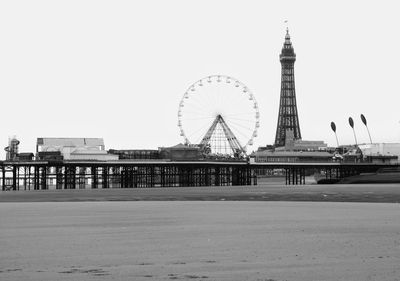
[(118, 69)]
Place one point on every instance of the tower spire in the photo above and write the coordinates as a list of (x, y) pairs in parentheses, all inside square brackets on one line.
[(287, 36), (288, 119)]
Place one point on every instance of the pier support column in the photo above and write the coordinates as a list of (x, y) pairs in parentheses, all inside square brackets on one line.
[(105, 177)]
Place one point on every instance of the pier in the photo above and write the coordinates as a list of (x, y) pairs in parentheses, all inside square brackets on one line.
[(52, 175), (44, 175)]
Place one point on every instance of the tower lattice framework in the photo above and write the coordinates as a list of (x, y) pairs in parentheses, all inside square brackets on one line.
[(287, 118)]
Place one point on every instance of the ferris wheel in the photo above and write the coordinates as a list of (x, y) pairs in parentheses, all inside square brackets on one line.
[(221, 112)]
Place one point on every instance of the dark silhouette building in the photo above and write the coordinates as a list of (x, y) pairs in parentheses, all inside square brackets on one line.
[(288, 119)]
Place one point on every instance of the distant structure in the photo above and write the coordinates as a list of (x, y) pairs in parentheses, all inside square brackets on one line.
[(135, 154), (72, 149), (288, 119), (291, 156), (289, 146), (181, 152), (380, 152), (225, 106), (12, 149), (177, 152)]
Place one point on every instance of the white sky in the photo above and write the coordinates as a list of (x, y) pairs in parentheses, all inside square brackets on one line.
[(118, 69)]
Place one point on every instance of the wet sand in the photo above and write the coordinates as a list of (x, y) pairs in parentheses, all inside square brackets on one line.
[(175, 240), (384, 193)]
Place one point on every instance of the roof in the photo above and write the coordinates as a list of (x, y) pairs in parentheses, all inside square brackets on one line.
[(25, 154), (293, 154), (182, 147), (72, 142), (88, 152)]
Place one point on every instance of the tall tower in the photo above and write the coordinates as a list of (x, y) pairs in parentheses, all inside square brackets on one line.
[(287, 118)]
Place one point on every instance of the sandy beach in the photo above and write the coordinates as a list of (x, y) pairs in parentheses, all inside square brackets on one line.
[(175, 240), (383, 193)]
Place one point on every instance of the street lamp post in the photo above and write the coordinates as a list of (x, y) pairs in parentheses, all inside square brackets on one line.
[(351, 123), (364, 120), (333, 127)]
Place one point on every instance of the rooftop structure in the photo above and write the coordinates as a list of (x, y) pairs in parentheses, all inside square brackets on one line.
[(73, 149), (181, 152), (291, 156), (381, 151), (12, 149), (292, 144), (136, 154), (46, 144)]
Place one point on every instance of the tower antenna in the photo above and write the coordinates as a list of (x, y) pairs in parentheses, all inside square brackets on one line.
[(287, 25)]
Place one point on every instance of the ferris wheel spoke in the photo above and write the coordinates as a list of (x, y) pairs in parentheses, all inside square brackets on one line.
[(244, 113), (212, 95), (218, 95), (194, 105), (240, 119), (240, 125), (198, 128), (244, 137), (203, 102), (195, 112), (202, 105), (202, 129), (241, 132), (211, 98), (202, 98), (200, 118)]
